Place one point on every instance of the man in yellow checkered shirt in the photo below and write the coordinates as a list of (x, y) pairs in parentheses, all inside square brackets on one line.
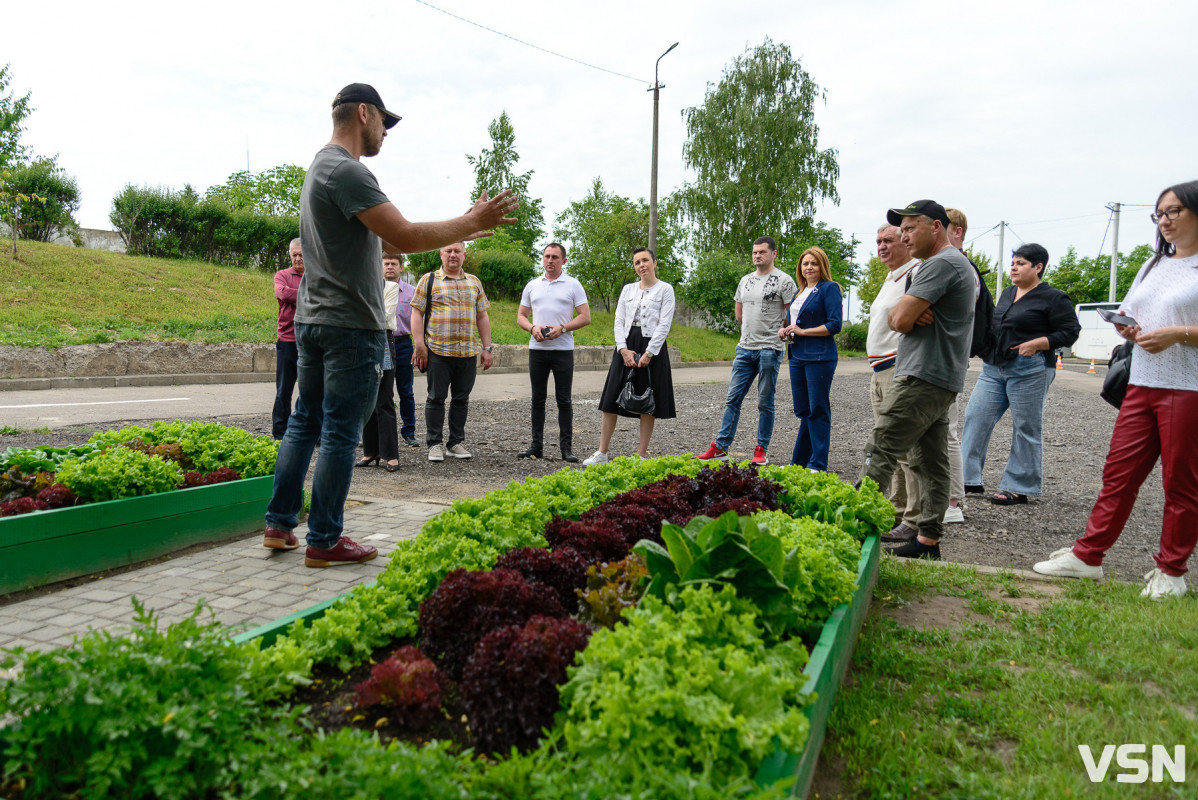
[(456, 308)]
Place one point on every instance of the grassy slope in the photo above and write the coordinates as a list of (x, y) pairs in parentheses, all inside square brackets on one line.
[(54, 295), (998, 707)]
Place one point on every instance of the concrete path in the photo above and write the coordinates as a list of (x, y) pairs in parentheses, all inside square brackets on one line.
[(244, 583)]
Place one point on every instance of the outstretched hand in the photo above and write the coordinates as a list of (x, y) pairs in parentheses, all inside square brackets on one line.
[(492, 212)]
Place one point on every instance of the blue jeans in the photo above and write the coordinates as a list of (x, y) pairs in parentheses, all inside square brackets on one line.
[(1021, 386), (764, 365), (810, 384), (339, 372), (403, 386)]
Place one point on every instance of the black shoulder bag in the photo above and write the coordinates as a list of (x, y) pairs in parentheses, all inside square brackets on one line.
[(631, 401), (428, 312)]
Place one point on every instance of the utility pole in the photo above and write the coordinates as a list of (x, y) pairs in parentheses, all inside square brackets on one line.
[(1002, 228), (657, 87), (1114, 253)]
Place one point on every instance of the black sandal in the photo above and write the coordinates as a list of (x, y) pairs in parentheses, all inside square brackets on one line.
[(1008, 499), (390, 467), (366, 462)]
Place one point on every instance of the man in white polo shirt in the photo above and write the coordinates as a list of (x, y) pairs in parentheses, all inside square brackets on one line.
[(558, 305)]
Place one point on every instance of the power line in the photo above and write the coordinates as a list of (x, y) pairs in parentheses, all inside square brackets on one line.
[(1012, 230), (529, 44), (1058, 219)]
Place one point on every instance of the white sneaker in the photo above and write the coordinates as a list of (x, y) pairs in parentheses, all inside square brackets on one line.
[(436, 452), (953, 514), (598, 457), (1162, 587), (457, 451), (1063, 564)]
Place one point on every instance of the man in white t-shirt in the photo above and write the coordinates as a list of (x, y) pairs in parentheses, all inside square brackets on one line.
[(558, 307), (881, 344), (761, 300)]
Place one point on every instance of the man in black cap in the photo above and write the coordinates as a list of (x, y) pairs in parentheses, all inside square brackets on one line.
[(340, 325), (935, 317)]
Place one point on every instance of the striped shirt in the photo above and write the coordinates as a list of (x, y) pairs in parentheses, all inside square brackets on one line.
[(453, 321)]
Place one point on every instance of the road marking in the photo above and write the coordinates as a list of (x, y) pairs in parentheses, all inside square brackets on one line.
[(99, 403)]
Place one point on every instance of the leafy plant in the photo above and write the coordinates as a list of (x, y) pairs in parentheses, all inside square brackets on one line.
[(861, 511), (57, 496), (409, 684), (594, 542), (564, 570), (691, 688), (119, 472), (22, 505), (613, 589), (510, 684), (730, 551), (37, 459), (466, 606), (156, 713)]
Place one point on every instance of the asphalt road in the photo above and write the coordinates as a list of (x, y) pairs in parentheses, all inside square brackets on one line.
[(59, 408)]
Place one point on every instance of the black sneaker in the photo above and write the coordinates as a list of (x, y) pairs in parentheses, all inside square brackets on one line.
[(917, 549), (410, 441)]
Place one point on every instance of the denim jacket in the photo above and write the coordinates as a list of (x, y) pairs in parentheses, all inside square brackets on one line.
[(822, 307)]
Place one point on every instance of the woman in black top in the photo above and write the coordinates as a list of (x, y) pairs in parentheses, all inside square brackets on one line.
[(1031, 321)]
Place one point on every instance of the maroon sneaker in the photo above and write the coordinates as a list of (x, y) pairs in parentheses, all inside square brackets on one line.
[(278, 539), (344, 552)]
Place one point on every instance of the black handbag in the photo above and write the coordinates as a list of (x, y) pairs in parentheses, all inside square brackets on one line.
[(631, 401), (1114, 385)]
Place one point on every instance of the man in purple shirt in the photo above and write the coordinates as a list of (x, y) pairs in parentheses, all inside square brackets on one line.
[(392, 266), (287, 283)]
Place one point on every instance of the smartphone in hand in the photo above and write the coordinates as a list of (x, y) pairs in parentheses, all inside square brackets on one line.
[(1115, 318), (546, 330)]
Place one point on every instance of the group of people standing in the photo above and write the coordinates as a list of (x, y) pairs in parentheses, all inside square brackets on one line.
[(345, 340)]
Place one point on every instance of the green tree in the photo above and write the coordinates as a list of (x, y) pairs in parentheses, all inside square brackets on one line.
[(274, 192), (711, 286), (52, 198), (494, 171), (600, 232), (867, 291), (754, 147), (13, 111), (1088, 280)]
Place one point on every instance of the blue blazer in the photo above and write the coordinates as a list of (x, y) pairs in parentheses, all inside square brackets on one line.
[(823, 307)]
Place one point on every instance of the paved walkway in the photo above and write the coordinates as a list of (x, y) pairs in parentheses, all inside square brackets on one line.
[(244, 583)]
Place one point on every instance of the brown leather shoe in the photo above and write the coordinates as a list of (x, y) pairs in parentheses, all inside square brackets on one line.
[(900, 533), (345, 551), (278, 539)]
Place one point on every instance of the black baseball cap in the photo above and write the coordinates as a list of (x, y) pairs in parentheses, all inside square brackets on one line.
[(927, 208), (365, 93)]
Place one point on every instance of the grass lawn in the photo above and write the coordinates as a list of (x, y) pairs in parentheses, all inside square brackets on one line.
[(966, 685), (54, 296)]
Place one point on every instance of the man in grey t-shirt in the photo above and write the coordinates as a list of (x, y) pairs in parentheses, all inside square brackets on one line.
[(935, 317), (340, 325), (761, 300)]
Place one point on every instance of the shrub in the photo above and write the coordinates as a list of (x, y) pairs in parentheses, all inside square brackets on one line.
[(711, 286), (43, 221), (409, 684), (510, 685), (466, 606), (119, 472), (503, 273), (852, 336)]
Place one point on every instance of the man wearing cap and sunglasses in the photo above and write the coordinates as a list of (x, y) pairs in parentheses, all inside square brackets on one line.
[(935, 318), (340, 325)]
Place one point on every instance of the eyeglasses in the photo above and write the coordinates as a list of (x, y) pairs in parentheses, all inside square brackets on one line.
[(1171, 213)]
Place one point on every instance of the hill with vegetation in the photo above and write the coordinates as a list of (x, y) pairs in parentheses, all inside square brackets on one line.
[(54, 296)]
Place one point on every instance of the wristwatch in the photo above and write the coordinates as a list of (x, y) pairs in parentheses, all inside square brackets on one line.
[(489, 348)]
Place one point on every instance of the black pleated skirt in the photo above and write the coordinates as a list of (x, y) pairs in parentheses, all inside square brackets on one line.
[(657, 375)]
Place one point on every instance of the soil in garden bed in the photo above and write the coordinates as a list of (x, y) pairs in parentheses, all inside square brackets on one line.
[(332, 705)]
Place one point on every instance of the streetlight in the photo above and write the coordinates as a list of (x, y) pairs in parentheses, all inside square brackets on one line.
[(653, 179)]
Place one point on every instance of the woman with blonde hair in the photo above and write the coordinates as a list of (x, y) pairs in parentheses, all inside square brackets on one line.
[(812, 321)]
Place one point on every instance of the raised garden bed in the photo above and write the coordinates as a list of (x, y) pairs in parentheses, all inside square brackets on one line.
[(36, 549)]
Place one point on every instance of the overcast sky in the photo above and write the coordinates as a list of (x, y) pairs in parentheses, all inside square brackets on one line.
[(1037, 113)]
